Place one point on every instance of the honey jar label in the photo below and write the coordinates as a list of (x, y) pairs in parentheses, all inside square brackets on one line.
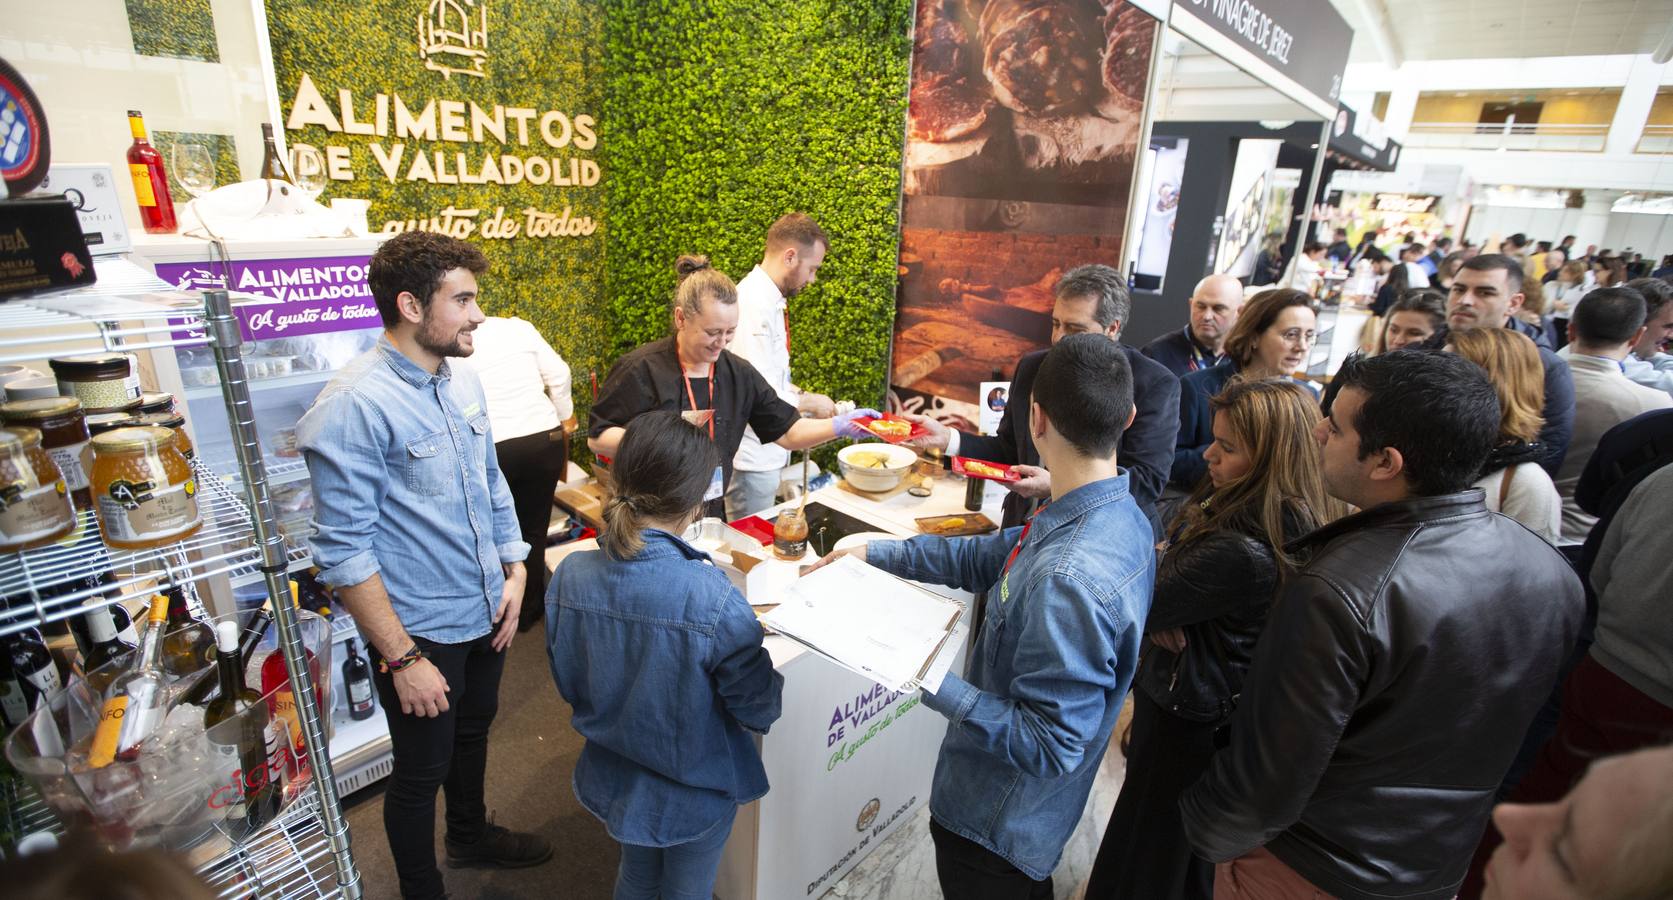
[(69, 459), (33, 513), (141, 511)]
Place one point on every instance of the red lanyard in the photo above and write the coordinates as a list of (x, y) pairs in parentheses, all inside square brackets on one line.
[(1018, 548), (693, 397)]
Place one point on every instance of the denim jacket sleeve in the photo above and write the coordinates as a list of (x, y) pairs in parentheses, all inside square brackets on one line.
[(343, 439), (971, 564), (1303, 686), (751, 689), (1066, 668)]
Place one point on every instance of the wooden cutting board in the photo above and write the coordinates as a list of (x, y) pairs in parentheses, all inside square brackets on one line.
[(877, 495), (974, 523)]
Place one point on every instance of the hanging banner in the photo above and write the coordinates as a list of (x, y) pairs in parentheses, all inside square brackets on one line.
[(1299, 47), (1362, 139), (1021, 139), (472, 118)]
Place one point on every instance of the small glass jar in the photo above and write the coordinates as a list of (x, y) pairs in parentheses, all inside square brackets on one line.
[(143, 487), (174, 423), (151, 402), (103, 382), (99, 423), (64, 437), (34, 502)]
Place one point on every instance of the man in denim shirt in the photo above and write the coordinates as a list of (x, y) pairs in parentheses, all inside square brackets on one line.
[(415, 529), (1067, 597)]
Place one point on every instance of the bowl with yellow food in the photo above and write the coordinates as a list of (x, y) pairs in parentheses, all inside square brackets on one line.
[(875, 468)]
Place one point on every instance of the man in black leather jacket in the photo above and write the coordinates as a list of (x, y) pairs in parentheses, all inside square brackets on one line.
[(1399, 668)]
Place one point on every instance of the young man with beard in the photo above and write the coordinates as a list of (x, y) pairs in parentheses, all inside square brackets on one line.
[(416, 530), (1402, 663), (796, 248)]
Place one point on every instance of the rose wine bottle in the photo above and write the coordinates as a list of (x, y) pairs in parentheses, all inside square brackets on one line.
[(145, 164)]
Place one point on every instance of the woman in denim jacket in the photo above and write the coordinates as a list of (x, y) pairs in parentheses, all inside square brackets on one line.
[(661, 658)]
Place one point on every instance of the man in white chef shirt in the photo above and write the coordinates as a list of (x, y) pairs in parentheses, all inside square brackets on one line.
[(796, 247)]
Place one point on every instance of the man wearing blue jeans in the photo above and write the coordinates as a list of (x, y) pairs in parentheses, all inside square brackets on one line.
[(1067, 597), (416, 530)]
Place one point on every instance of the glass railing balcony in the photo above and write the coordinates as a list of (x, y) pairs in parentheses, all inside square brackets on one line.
[(1519, 136), (1655, 139)]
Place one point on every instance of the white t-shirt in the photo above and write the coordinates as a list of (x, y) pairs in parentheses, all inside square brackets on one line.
[(525, 381), (1531, 500), (761, 339)]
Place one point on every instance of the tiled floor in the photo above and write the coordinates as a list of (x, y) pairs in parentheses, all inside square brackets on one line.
[(903, 868)]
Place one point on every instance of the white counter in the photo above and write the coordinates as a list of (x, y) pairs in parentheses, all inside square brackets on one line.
[(849, 762)]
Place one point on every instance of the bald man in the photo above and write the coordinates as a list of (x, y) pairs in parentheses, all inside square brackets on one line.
[(1200, 344)]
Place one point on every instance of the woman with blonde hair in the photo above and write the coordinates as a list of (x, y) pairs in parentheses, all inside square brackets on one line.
[(670, 753), (1515, 483), (1213, 589)]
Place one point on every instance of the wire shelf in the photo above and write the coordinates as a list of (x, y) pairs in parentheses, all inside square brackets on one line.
[(50, 584), (22, 811), (290, 858)]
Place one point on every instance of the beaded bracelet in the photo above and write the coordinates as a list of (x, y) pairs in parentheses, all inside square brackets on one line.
[(408, 658)]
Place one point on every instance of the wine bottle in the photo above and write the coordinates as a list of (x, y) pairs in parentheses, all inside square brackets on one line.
[(272, 164), (145, 166), (105, 640), (281, 697), (33, 667), (357, 680), (13, 707), (137, 700), (188, 646), (248, 751), (254, 631)]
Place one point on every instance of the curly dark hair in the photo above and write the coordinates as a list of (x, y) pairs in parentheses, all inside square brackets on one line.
[(415, 262)]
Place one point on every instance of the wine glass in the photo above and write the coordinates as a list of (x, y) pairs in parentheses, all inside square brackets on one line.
[(307, 166), (194, 168)]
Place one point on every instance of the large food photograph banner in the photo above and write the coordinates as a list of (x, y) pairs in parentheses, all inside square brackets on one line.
[(1022, 133)]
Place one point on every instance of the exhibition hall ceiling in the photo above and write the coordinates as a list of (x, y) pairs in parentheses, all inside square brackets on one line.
[(1497, 29)]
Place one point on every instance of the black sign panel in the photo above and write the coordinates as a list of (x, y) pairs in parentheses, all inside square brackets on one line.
[(1345, 139), (1299, 47)]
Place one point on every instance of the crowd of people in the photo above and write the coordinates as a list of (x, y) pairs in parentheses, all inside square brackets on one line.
[(1352, 620)]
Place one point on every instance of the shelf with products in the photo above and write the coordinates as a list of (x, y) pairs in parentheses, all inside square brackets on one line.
[(305, 851), (212, 389)]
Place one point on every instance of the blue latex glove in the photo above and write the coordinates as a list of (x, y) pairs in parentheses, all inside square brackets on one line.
[(845, 427)]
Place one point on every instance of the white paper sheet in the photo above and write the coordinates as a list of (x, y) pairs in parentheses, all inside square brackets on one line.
[(868, 621)]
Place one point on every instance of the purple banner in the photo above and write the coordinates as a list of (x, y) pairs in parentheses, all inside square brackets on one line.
[(311, 295)]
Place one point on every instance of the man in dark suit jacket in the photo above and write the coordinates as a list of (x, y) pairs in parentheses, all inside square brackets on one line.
[(1092, 299)]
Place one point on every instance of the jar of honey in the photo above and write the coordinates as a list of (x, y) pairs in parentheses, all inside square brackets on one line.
[(64, 437), (34, 502), (174, 423), (143, 488), (155, 402), (790, 534)]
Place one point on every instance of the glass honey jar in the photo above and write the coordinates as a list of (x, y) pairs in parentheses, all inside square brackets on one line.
[(34, 500), (143, 488)]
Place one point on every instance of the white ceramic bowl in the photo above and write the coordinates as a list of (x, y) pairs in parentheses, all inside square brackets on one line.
[(899, 461)]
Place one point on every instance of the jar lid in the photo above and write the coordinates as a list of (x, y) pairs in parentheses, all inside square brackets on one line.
[(15, 439), (128, 439), (126, 408), (156, 402), (161, 420), (35, 410), (98, 423), (91, 367)]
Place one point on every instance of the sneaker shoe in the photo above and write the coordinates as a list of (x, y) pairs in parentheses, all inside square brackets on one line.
[(498, 848)]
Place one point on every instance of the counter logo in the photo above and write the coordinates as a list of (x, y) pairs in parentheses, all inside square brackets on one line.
[(868, 814), (449, 43)]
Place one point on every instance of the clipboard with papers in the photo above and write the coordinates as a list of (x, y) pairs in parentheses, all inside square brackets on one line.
[(878, 626)]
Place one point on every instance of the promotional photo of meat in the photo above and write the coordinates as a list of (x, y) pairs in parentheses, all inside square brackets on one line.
[(1023, 89)]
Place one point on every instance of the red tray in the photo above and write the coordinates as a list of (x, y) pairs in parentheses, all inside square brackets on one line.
[(756, 527), (918, 430), (1010, 471)]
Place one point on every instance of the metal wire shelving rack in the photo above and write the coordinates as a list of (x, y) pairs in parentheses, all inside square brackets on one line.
[(305, 851)]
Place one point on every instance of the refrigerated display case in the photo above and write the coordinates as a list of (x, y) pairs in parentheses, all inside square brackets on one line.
[(305, 312)]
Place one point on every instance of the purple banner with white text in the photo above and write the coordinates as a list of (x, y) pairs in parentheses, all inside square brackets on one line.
[(311, 295)]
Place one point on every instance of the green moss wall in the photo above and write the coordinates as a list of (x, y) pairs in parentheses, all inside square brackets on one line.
[(721, 116)]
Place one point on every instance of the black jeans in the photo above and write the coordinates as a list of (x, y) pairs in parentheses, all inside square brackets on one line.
[(449, 751), (969, 871), (533, 465)]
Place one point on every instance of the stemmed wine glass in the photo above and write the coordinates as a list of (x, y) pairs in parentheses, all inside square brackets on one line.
[(307, 166), (194, 168)]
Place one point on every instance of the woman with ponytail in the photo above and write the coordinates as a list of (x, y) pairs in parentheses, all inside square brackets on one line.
[(661, 658)]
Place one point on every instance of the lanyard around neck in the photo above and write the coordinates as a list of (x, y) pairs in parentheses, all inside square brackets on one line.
[(692, 397)]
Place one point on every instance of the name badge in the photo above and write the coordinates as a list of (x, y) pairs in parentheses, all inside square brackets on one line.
[(717, 486)]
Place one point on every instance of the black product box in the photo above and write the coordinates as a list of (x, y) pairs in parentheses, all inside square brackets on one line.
[(41, 245)]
